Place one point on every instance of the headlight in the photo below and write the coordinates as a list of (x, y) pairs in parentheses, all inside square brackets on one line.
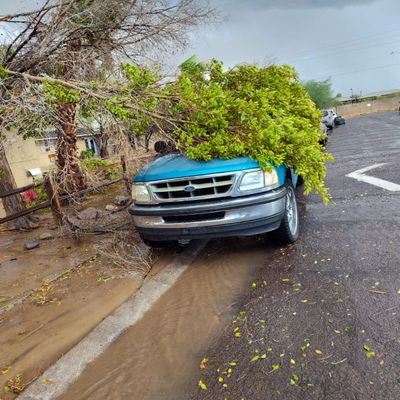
[(270, 178), (258, 180), (252, 180), (140, 194)]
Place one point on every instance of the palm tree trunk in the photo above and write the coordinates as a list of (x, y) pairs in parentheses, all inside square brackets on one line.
[(70, 175)]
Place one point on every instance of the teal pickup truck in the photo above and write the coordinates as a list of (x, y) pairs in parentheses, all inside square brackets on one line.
[(178, 199)]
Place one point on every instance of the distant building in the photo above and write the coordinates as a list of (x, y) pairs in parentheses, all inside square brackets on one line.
[(369, 96)]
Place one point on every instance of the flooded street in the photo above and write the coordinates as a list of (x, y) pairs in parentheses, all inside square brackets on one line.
[(160, 355)]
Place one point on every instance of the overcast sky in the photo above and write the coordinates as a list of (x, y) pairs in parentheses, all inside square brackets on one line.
[(356, 43)]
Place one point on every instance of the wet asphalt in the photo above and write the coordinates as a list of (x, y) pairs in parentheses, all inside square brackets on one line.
[(321, 318)]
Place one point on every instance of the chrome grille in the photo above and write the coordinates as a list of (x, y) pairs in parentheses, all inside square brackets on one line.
[(193, 188)]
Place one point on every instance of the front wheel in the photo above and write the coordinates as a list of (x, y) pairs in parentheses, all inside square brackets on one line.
[(289, 230), (300, 181)]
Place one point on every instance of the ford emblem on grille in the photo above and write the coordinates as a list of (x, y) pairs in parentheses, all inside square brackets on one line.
[(189, 189)]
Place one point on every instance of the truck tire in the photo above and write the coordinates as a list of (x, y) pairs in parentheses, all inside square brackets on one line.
[(300, 181), (289, 230)]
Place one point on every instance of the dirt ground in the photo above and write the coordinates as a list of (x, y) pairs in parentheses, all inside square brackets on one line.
[(54, 295)]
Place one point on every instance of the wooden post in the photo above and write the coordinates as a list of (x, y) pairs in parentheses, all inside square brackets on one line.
[(53, 198), (128, 184)]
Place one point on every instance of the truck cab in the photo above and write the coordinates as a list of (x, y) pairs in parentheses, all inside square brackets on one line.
[(179, 199)]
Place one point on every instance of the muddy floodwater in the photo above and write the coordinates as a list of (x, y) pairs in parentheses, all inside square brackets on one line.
[(158, 358)]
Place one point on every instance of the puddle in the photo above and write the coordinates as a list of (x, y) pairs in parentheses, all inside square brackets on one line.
[(159, 357)]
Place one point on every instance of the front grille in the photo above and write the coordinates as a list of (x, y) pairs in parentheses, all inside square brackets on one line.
[(193, 188), (194, 218)]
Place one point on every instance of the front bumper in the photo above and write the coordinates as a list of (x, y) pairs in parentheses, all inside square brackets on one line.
[(240, 216)]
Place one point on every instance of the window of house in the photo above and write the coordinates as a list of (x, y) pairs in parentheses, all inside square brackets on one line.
[(91, 145), (48, 146)]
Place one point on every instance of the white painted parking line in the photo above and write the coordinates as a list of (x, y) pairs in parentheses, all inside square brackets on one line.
[(69, 367), (360, 176)]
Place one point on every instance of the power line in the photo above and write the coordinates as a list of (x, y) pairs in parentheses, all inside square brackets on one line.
[(345, 43), (362, 70), (313, 56)]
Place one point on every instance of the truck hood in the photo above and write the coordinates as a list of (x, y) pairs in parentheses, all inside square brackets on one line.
[(176, 165)]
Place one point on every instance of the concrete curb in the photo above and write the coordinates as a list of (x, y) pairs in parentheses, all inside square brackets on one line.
[(70, 366)]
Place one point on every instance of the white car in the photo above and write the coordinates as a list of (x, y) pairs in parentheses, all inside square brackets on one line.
[(328, 118), (324, 135)]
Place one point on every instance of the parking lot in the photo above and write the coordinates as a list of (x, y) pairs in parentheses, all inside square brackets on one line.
[(330, 304)]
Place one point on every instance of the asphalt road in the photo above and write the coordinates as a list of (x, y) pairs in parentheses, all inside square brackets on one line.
[(322, 318)]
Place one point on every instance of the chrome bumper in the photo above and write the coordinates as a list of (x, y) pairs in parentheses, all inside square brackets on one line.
[(243, 214), (227, 215)]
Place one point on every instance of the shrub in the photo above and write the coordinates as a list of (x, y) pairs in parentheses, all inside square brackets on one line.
[(93, 164)]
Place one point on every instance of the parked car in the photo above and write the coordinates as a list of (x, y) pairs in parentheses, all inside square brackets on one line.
[(178, 199), (328, 118), (324, 135), (340, 121)]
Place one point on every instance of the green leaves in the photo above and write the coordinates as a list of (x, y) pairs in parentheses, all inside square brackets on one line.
[(202, 385), (254, 358), (294, 379), (274, 367), (320, 92), (262, 113), (368, 352), (59, 94), (3, 73), (139, 78)]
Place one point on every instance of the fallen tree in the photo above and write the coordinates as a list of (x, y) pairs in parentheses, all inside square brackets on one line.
[(260, 112)]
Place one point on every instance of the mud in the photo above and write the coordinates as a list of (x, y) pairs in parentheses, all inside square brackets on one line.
[(33, 335), (24, 270)]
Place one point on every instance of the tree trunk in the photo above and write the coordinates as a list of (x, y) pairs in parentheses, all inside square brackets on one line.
[(12, 204), (133, 141), (104, 147), (102, 141), (147, 138), (70, 175)]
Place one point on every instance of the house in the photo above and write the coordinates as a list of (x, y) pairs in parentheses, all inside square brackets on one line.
[(30, 158)]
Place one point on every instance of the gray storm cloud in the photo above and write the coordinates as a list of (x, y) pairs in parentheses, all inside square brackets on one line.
[(292, 4)]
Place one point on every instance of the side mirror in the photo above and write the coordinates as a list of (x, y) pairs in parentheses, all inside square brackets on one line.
[(160, 147)]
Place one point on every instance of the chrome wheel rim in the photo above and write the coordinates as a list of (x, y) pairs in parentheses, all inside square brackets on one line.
[(291, 210)]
